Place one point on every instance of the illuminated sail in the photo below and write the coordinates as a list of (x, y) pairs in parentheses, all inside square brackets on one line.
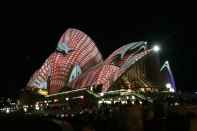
[(74, 48), (120, 56), (108, 72), (98, 75), (75, 72)]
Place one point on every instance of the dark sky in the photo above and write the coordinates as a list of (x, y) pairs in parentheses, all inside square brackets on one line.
[(30, 35)]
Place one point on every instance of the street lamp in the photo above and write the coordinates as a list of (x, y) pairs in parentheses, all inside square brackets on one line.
[(67, 98), (156, 48)]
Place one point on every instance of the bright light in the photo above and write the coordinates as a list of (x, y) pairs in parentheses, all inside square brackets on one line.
[(25, 109), (127, 97), (101, 94), (142, 89), (166, 62), (156, 48), (133, 97), (100, 102), (67, 98), (168, 85), (37, 107), (107, 102), (176, 104), (124, 102), (7, 110), (43, 92), (172, 90), (56, 100), (115, 102), (62, 115), (91, 88), (81, 97)]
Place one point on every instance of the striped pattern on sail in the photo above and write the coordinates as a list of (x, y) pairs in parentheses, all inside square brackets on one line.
[(85, 54), (40, 77), (130, 62), (120, 56), (99, 75), (106, 73)]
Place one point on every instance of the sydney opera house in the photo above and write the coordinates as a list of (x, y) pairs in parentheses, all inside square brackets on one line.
[(77, 63), (131, 87)]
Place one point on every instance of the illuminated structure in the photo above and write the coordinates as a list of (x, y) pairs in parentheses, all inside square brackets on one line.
[(170, 78), (116, 68), (78, 64), (75, 53)]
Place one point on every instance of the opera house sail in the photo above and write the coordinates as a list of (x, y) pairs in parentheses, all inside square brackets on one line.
[(75, 53), (77, 63)]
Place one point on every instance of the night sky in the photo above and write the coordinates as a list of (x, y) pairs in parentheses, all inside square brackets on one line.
[(29, 35)]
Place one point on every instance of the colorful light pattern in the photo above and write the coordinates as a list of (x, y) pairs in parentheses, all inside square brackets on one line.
[(57, 68), (77, 63)]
